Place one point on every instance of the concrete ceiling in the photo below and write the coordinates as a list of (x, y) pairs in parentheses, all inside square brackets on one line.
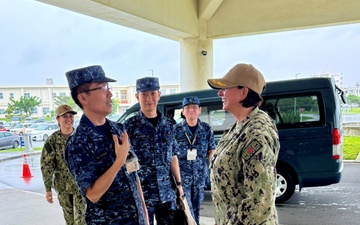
[(211, 19)]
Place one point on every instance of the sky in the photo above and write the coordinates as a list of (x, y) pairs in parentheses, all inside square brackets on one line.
[(40, 41)]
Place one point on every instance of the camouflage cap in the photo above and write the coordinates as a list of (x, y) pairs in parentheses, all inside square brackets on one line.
[(61, 110), (147, 84), (88, 74), (190, 100), (245, 75)]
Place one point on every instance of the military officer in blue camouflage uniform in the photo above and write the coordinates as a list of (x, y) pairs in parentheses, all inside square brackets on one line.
[(55, 172), (243, 168), (152, 137), (197, 145), (99, 156)]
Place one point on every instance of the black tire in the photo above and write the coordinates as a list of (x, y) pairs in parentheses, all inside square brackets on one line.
[(45, 137), (285, 186), (15, 144)]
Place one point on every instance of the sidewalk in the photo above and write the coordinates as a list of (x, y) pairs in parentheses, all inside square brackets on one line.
[(19, 207)]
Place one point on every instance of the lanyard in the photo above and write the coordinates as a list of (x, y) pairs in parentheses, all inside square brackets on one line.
[(191, 143)]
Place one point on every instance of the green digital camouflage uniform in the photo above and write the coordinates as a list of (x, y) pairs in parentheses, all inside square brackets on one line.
[(243, 172), (56, 174)]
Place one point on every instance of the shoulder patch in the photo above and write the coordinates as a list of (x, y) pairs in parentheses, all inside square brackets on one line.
[(251, 149)]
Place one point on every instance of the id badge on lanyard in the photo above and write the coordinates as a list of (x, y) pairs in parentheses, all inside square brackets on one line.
[(192, 152)]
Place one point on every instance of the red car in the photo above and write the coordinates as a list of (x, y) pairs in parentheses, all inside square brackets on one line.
[(2, 128)]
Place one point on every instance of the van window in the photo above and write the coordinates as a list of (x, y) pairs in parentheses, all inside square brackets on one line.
[(296, 111)]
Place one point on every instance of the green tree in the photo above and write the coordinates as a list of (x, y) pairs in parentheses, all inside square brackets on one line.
[(353, 99), (62, 100), (23, 105), (115, 103)]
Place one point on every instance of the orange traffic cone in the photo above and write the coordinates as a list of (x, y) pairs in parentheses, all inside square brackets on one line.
[(26, 173)]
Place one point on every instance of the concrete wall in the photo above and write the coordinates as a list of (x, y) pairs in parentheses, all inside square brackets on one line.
[(352, 130)]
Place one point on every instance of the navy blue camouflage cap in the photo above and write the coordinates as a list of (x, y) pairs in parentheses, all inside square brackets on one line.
[(147, 84), (90, 74), (190, 100)]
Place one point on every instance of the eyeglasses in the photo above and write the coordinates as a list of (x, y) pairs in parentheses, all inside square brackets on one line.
[(105, 87), (194, 107)]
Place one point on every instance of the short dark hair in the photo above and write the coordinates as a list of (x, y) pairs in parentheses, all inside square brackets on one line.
[(77, 90), (252, 99)]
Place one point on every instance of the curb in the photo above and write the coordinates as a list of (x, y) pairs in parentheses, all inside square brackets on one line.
[(20, 155)]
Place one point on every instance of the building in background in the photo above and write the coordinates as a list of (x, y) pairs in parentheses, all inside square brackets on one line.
[(337, 77), (355, 90), (47, 93)]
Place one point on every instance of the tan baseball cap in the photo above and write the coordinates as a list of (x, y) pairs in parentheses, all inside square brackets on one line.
[(61, 110), (245, 75)]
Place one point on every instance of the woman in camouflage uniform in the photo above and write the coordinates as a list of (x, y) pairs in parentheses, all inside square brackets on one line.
[(243, 168), (55, 172)]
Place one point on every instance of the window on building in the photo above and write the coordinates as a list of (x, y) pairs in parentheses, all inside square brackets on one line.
[(34, 111), (163, 91), (11, 95), (1, 96), (123, 95), (46, 110), (27, 95), (53, 95), (2, 111), (62, 94), (172, 91)]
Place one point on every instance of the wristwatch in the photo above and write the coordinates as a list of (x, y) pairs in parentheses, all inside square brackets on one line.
[(178, 183)]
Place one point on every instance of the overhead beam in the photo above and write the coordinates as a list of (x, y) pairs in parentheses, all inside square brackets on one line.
[(182, 19), (175, 19), (207, 8), (244, 17)]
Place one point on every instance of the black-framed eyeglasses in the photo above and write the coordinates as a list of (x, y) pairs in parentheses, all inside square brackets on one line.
[(105, 87)]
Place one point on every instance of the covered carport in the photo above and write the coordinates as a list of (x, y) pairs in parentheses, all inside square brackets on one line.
[(196, 23)]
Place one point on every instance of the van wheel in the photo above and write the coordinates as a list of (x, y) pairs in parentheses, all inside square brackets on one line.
[(285, 186)]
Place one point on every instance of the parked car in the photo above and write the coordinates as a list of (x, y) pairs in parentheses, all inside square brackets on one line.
[(16, 118), (9, 140), (32, 127), (42, 132), (28, 120), (8, 126), (2, 128), (39, 120), (307, 113), (19, 128)]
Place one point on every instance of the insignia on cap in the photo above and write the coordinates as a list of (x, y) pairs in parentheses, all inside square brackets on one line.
[(219, 83)]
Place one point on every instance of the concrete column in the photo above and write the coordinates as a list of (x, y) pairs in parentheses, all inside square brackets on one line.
[(196, 63)]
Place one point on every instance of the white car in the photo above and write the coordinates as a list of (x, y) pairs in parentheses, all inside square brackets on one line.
[(19, 128), (31, 128), (42, 132)]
